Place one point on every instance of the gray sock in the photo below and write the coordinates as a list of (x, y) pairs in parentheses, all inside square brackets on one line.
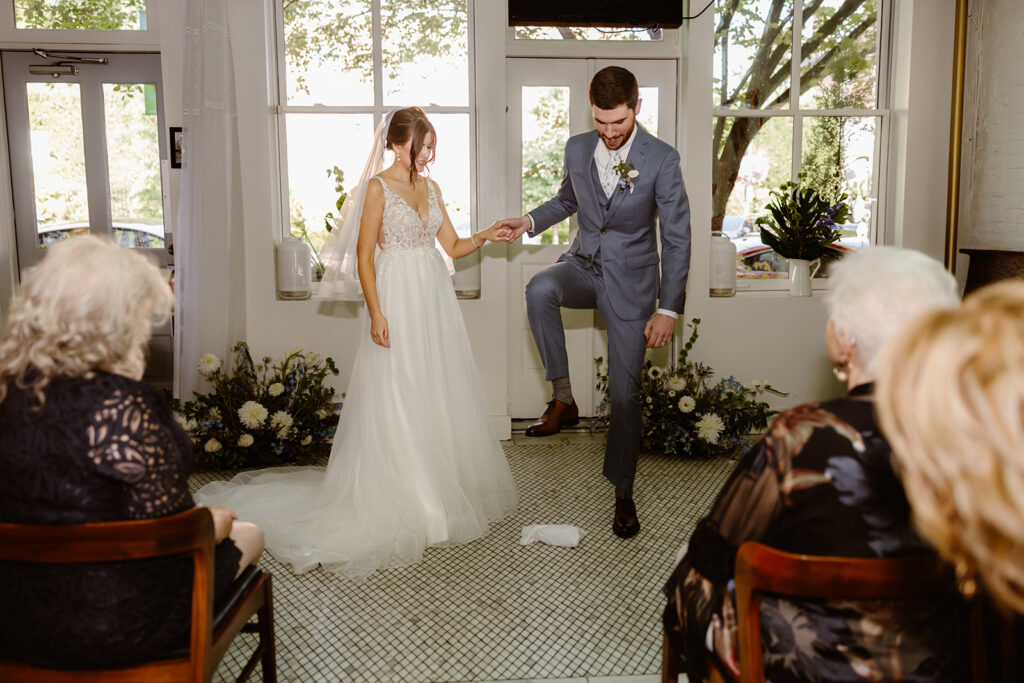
[(561, 390)]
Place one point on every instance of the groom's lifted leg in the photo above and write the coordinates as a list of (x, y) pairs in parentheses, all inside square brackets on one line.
[(568, 283)]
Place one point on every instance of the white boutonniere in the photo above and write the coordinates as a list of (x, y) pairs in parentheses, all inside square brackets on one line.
[(627, 174)]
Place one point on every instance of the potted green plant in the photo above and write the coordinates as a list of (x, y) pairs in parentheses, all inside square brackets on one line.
[(800, 225)]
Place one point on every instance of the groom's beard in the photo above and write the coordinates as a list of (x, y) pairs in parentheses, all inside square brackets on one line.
[(620, 140)]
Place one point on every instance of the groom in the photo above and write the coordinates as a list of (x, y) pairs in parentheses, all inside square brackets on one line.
[(618, 179)]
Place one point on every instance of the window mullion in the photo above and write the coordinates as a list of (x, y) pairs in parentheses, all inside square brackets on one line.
[(378, 61), (794, 86)]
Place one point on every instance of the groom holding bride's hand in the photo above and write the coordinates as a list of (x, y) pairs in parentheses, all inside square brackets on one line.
[(618, 179)]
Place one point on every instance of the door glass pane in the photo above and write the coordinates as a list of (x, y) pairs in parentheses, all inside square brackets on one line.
[(586, 33), (326, 155), (839, 157), (545, 119), (328, 51), (648, 117), (451, 168), (96, 15), (425, 47), (58, 160), (840, 55), (752, 53), (133, 164)]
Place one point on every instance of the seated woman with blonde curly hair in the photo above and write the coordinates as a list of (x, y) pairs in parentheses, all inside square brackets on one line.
[(951, 402), (82, 439)]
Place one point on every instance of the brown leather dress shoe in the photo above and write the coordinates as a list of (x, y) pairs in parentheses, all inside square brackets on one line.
[(625, 524), (557, 415)]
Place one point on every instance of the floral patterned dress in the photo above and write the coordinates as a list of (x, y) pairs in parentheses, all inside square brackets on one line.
[(819, 482)]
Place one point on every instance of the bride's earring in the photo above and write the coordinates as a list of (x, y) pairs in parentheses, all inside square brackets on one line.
[(840, 372), (398, 155)]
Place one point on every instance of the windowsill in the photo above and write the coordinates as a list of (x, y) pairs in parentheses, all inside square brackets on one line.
[(773, 287)]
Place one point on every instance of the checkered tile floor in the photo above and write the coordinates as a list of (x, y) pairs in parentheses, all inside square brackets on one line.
[(495, 610)]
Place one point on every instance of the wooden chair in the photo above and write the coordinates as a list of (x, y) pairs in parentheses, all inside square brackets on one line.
[(760, 569), (188, 532)]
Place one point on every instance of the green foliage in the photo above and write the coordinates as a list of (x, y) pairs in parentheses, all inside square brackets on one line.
[(98, 15), (543, 157), (800, 223), (825, 154), (339, 187), (266, 414), (685, 414)]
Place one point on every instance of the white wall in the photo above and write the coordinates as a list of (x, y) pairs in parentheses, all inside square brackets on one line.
[(992, 219)]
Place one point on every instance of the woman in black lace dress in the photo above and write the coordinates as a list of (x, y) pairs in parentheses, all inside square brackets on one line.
[(820, 482), (83, 440)]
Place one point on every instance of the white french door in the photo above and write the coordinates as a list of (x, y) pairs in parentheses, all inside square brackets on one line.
[(548, 102), (89, 152)]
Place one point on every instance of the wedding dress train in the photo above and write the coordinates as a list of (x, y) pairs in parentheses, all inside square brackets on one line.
[(414, 461)]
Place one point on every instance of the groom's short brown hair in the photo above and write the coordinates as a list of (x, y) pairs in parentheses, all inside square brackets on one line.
[(613, 86)]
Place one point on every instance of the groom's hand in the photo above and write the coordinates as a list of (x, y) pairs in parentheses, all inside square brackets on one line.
[(659, 330)]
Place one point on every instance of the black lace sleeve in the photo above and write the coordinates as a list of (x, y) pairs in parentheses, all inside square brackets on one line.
[(133, 439)]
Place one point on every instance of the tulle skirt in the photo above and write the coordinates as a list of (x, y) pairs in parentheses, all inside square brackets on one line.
[(414, 462)]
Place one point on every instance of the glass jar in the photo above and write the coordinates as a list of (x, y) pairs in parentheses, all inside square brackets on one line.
[(723, 265), (294, 269)]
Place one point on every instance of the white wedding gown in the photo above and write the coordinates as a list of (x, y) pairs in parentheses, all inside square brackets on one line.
[(414, 461)]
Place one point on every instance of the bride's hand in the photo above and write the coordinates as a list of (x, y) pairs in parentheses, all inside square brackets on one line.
[(495, 232), (379, 330)]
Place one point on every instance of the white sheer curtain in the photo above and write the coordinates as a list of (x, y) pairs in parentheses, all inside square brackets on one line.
[(210, 278)]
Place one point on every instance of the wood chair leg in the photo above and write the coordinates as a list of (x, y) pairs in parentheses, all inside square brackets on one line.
[(266, 621), (670, 668)]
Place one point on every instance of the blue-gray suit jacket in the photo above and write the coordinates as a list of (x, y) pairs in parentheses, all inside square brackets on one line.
[(620, 232)]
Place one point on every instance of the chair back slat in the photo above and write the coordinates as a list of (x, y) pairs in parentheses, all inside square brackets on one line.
[(760, 569), (106, 541), (190, 532)]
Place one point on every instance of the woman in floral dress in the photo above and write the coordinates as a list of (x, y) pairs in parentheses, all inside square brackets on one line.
[(820, 482)]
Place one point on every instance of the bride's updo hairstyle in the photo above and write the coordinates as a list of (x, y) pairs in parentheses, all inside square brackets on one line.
[(412, 123)]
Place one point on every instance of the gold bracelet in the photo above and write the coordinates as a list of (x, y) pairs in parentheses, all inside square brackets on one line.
[(472, 238)]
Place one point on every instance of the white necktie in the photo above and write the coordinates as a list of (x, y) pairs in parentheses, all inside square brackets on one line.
[(608, 175)]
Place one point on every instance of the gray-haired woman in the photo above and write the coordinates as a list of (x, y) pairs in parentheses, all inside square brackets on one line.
[(820, 482)]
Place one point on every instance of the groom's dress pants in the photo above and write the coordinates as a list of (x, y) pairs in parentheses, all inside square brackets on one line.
[(575, 282)]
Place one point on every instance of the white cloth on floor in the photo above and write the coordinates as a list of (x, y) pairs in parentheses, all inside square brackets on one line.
[(564, 535)]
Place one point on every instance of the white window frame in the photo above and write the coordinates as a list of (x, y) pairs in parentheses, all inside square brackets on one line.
[(377, 109), (15, 38), (883, 112)]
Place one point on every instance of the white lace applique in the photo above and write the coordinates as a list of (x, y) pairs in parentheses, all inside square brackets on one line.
[(402, 226)]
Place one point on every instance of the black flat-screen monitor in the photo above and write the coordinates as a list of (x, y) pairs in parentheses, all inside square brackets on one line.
[(616, 13)]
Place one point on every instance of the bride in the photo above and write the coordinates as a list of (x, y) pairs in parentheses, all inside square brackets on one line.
[(414, 462)]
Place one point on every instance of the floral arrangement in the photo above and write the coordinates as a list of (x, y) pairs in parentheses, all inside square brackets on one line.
[(627, 174), (800, 223), (685, 414), (266, 414)]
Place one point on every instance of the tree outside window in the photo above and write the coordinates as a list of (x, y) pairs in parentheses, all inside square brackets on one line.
[(773, 121)]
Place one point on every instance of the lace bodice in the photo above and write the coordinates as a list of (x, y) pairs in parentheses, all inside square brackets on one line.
[(402, 227)]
